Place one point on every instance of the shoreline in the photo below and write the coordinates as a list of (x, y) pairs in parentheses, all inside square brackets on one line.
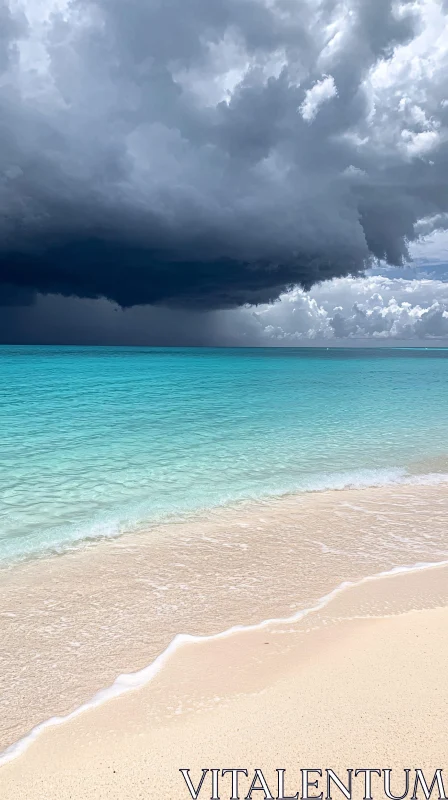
[(378, 478), (129, 682), (72, 624), (345, 653)]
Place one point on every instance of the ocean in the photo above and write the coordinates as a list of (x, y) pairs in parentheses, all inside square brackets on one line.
[(100, 441)]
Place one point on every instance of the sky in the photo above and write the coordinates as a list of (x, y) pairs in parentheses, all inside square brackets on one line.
[(235, 172)]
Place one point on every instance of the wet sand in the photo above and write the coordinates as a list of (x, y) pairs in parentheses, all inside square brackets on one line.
[(360, 683)]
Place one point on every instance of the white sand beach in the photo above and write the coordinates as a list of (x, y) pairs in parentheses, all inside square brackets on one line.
[(345, 687)]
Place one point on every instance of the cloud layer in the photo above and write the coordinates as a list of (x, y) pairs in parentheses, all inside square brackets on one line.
[(211, 154), (347, 309), (344, 311)]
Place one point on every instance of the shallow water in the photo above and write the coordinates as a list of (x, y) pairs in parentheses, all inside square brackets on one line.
[(100, 441)]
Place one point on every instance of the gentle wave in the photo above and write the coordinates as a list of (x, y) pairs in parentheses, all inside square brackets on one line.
[(68, 538), (136, 680)]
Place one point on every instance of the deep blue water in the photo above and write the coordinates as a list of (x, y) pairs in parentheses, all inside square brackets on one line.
[(95, 441)]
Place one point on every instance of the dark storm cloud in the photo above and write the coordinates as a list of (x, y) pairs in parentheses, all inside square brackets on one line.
[(70, 320), (208, 154)]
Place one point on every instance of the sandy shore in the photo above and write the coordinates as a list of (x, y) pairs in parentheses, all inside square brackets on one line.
[(70, 624), (344, 687)]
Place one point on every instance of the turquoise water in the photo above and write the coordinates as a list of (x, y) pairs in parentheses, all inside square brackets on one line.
[(96, 441)]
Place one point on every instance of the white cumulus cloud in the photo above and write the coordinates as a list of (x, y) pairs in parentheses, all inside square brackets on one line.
[(319, 93), (371, 308)]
